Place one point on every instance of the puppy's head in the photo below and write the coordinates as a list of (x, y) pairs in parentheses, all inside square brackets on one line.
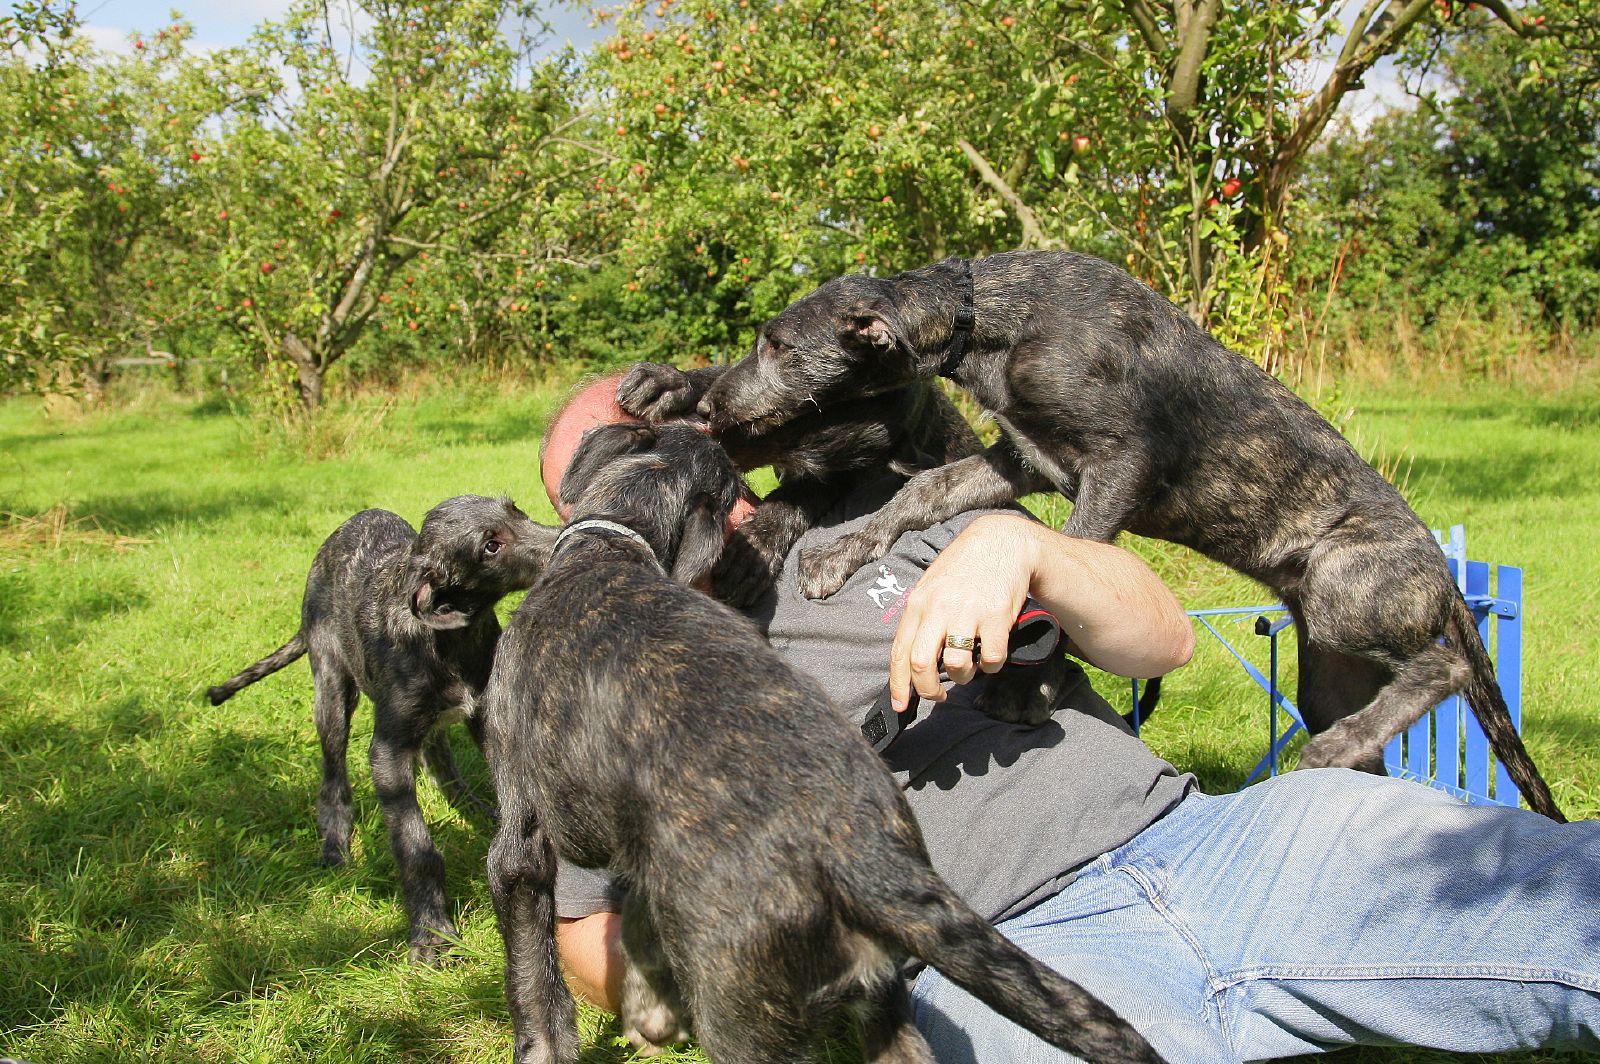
[(472, 552), (671, 483), (846, 340)]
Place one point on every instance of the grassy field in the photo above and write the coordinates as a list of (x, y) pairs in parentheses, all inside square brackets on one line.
[(159, 894)]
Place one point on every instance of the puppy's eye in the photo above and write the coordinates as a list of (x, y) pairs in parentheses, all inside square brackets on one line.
[(491, 546)]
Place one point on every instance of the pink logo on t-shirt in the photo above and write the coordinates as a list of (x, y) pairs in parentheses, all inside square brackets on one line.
[(887, 590)]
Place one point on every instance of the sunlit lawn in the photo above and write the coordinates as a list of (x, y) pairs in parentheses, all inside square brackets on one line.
[(159, 893)]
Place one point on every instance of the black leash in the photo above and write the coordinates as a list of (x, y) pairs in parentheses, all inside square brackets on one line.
[(961, 330)]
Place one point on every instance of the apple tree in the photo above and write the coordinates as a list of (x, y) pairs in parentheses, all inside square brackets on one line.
[(94, 166), (387, 188), (808, 136)]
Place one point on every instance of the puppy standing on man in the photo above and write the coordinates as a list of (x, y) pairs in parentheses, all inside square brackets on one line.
[(407, 619), (1108, 393)]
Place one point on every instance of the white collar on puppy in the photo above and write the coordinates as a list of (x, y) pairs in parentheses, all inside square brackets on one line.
[(595, 524)]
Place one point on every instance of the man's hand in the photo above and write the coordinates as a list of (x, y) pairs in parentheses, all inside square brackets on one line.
[(974, 589), (1114, 611)]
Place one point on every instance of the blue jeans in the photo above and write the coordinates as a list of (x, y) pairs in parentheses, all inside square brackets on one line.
[(1317, 910)]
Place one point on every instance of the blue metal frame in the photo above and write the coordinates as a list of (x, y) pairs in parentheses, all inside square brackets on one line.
[(1445, 749)]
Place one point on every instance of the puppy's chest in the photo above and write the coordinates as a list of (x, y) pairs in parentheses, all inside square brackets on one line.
[(460, 703)]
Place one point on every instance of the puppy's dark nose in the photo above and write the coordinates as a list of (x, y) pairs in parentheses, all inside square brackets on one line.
[(706, 407)]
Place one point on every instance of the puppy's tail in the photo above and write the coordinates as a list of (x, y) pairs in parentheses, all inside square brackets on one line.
[(290, 651), (1489, 706), (919, 911)]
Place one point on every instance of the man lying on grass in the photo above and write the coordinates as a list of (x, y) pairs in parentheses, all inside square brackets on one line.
[(1316, 910)]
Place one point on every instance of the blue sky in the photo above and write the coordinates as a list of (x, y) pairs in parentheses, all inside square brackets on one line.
[(110, 23)]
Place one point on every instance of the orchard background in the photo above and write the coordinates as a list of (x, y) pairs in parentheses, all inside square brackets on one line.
[(368, 188)]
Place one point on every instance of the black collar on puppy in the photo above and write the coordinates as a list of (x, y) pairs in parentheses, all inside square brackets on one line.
[(961, 331)]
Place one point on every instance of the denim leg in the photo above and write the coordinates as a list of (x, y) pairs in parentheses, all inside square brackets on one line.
[(1317, 910), (1103, 933), (1338, 908)]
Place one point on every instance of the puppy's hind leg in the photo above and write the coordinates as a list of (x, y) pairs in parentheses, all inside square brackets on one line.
[(1418, 685), (440, 761), (522, 872), (653, 1011), (333, 705), (888, 1035), (1333, 686), (750, 1032)]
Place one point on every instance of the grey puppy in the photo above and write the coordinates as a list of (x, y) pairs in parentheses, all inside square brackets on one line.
[(774, 873), (407, 619), (1108, 393)]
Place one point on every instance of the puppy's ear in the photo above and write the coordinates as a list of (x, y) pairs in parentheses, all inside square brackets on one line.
[(599, 447), (429, 606), (700, 540), (866, 330)]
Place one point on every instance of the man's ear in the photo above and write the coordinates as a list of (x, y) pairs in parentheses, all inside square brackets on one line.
[(429, 607), (700, 540), (866, 330)]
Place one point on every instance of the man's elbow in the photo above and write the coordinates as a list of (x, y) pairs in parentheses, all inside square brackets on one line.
[(1172, 644), (1181, 643)]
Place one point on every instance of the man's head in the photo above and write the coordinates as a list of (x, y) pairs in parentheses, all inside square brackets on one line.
[(593, 405)]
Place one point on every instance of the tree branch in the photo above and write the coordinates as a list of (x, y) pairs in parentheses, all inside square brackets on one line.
[(1144, 20), (1183, 91), (1379, 40), (1032, 235)]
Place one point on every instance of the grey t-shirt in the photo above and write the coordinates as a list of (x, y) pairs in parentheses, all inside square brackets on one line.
[(1009, 812)]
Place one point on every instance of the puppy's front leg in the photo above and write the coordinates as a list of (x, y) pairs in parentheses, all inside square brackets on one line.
[(754, 554), (991, 478), (1109, 491), (522, 871)]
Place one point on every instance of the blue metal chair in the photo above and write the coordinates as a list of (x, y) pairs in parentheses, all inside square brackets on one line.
[(1445, 749)]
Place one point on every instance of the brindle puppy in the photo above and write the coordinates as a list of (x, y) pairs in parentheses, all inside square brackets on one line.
[(1108, 393), (408, 620), (774, 872)]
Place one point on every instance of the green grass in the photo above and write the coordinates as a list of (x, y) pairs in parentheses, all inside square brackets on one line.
[(159, 893)]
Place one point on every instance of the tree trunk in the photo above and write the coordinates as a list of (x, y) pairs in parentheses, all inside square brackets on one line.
[(308, 370)]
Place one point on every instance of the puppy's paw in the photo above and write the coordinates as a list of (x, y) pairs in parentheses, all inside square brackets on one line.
[(1339, 748), (649, 1039), (824, 570), (1023, 694), (656, 392), (335, 854), (429, 947), (652, 1011)]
